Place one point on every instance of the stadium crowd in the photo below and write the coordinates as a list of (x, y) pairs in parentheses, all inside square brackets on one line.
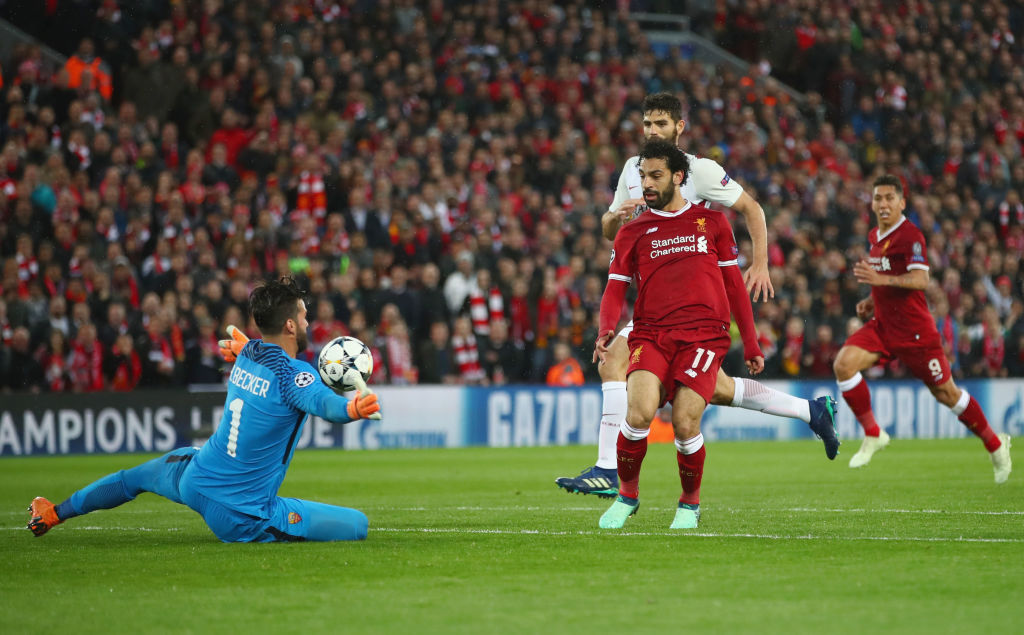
[(434, 173)]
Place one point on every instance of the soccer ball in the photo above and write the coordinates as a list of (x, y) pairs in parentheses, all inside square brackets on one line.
[(343, 361)]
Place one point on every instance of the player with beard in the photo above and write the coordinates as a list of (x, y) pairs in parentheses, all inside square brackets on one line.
[(683, 258), (232, 481), (707, 181)]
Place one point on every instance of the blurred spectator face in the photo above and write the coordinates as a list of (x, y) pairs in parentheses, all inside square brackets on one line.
[(463, 328), (824, 334), (219, 155), (357, 321), (399, 277), (794, 327), (389, 314), (431, 275), (439, 334), (483, 279), (86, 336), (367, 279), (464, 263), (123, 345), (20, 339), (57, 342), (325, 311), (499, 331), (80, 313), (58, 307), (115, 314), (562, 352)]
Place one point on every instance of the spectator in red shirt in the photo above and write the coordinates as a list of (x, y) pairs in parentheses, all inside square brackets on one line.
[(123, 367), (86, 365)]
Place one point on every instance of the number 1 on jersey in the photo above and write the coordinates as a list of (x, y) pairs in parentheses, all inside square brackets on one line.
[(236, 420)]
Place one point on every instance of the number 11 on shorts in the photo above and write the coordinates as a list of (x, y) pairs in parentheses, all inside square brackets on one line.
[(707, 362)]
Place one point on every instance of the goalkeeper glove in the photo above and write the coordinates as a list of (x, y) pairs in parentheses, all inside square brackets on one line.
[(232, 348), (360, 407), (361, 387)]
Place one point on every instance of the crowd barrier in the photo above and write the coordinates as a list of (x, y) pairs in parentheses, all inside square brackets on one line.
[(453, 416)]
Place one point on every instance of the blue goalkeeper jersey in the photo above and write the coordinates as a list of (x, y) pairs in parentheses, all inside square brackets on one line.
[(270, 396)]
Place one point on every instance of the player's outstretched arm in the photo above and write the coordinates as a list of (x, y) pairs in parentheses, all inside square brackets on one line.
[(317, 399), (230, 349), (743, 313), (758, 281)]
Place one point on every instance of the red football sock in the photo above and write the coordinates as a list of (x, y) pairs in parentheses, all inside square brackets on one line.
[(976, 422), (630, 456), (859, 400), (691, 469)]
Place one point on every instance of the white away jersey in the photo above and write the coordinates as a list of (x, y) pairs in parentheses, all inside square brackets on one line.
[(707, 182)]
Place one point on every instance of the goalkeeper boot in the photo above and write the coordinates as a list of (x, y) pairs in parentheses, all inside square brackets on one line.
[(687, 517), (600, 481), (823, 423), (617, 514), (868, 449), (1001, 463), (44, 516)]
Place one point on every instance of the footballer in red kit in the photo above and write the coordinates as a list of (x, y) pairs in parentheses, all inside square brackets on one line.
[(682, 257), (900, 326), (674, 322)]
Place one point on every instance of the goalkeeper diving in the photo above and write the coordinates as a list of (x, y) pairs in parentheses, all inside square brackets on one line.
[(232, 482)]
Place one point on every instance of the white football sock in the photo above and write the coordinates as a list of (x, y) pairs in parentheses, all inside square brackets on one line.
[(754, 395), (613, 415)]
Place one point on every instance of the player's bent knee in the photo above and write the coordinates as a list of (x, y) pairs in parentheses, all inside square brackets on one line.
[(638, 420), (686, 429), (845, 365)]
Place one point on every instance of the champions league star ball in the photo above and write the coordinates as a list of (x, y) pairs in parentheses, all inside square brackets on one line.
[(343, 362)]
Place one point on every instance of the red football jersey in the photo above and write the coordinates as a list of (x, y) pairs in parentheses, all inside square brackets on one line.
[(902, 314), (675, 258)]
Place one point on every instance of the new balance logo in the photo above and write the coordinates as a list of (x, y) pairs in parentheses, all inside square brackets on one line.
[(651, 231)]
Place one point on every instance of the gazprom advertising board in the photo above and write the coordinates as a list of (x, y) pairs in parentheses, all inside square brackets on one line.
[(453, 416)]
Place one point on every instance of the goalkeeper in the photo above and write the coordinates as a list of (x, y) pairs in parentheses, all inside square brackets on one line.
[(232, 481)]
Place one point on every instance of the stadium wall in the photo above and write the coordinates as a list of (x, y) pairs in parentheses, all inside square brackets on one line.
[(452, 416)]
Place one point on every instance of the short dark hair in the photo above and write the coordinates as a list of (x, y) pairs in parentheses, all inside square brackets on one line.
[(274, 303), (675, 159), (663, 102), (889, 179)]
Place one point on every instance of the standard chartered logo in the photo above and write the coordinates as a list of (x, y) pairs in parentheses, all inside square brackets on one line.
[(679, 244)]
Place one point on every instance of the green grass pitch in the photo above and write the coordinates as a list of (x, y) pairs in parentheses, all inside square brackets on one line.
[(481, 541)]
